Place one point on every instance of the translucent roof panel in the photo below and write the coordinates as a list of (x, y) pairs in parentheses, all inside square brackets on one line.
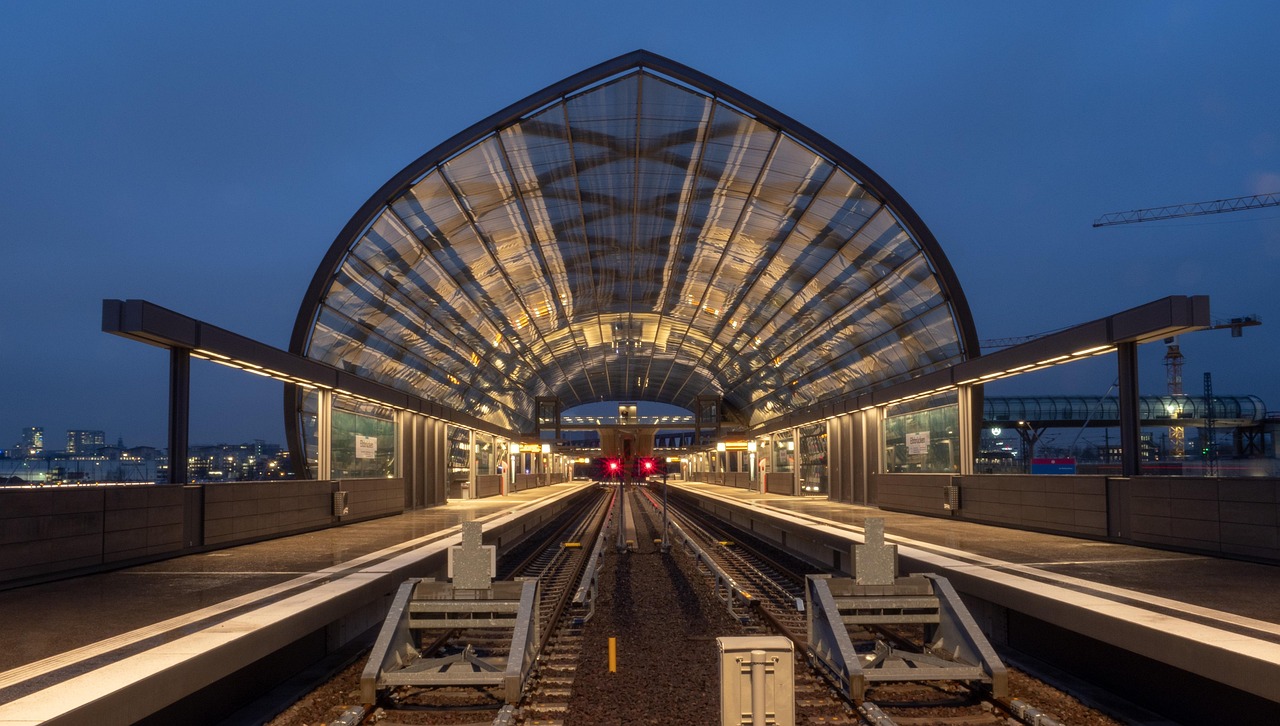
[(636, 232)]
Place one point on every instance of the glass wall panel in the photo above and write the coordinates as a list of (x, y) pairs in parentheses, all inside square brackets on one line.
[(459, 458), (813, 459), (309, 419), (485, 460), (363, 439), (923, 435), (783, 452)]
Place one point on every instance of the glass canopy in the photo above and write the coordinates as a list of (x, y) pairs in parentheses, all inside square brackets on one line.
[(636, 232)]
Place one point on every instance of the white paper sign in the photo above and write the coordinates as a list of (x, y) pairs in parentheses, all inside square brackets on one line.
[(366, 447), (918, 444)]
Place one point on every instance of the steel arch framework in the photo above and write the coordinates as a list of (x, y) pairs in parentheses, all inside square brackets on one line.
[(638, 231)]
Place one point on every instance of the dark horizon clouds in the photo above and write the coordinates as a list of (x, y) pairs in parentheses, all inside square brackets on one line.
[(205, 157)]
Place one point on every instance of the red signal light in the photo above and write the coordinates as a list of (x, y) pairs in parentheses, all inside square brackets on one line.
[(648, 465), (613, 465)]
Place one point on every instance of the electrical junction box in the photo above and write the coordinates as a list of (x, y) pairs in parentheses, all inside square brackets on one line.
[(951, 498), (757, 673)]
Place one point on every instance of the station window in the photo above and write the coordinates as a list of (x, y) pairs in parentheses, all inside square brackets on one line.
[(309, 419), (363, 439), (485, 461), (459, 458), (923, 435), (783, 452), (813, 459)]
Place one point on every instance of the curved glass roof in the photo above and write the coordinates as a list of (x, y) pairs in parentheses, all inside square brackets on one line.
[(636, 232)]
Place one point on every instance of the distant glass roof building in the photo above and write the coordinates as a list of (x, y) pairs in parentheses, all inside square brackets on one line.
[(640, 232)]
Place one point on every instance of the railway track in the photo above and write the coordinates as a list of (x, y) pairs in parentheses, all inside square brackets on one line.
[(773, 581), (556, 558), (748, 588)]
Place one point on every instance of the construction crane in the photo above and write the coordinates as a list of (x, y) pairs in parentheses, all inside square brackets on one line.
[(1173, 357), (1174, 360), (1194, 209)]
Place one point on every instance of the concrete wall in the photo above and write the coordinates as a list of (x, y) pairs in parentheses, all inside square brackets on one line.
[(488, 485), (53, 530), (1231, 517), (1225, 516), (243, 511), (520, 482), (369, 498), (141, 522), (780, 482), (1074, 504), (919, 493), (526, 481)]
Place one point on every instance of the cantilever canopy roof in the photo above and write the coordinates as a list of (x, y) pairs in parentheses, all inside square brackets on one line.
[(638, 231)]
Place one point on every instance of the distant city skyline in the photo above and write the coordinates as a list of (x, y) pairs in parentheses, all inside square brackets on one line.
[(205, 157), (90, 440)]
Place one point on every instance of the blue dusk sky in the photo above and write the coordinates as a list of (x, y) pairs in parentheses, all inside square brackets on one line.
[(203, 156)]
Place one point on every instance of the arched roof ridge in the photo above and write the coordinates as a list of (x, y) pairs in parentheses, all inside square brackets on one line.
[(639, 58), (402, 184)]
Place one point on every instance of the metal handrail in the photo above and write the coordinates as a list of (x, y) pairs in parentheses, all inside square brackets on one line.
[(589, 586), (726, 588)]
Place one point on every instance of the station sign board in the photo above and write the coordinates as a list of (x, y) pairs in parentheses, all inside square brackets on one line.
[(1053, 466)]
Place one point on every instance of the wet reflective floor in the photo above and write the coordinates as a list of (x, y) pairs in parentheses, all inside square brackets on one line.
[(1231, 586), (51, 618), (47, 619)]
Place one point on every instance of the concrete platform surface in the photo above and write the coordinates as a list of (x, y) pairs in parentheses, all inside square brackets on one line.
[(45, 620), (1236, 587)]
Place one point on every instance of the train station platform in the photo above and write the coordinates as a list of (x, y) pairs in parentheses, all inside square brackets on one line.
[(1165, 622), (70, 629), (1135, 618)]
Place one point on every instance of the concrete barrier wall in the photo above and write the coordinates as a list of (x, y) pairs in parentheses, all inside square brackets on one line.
[(1227, 516), (526, 481), (919, 493), (1067, 504), (45, 531), (1075, 504), (141, 522), (780, 482), (488, 485), (244, 511), (1233, 517), (369, 498)]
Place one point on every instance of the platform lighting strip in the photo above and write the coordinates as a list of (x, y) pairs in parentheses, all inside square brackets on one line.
[(1016, 370), (286, 378), (1047, 363), (258, 370)]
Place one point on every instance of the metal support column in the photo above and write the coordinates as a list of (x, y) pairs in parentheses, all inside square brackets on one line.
[(179, 413), (1130, 426), (438, 467), (871, 453), (324, 435), (408, 459), (471, 464), (970, 426)]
